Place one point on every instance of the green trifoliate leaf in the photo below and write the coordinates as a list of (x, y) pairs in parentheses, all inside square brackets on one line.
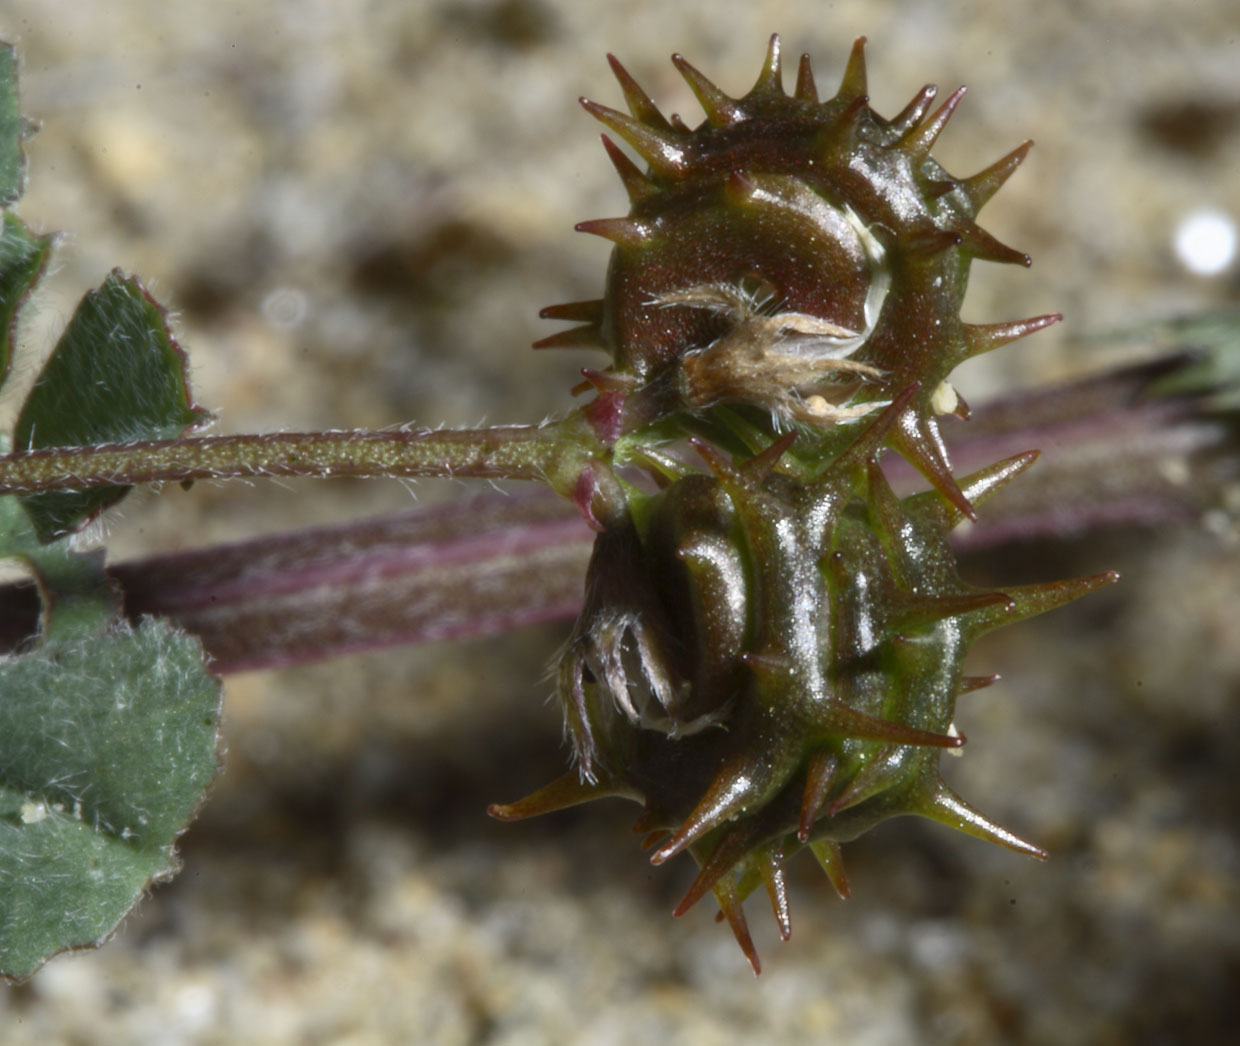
[(12, 129), (108, 740), (108, 743), (108, 732), (117, 728), (116, 376), (22, 257), (62, 883), (22, 254)]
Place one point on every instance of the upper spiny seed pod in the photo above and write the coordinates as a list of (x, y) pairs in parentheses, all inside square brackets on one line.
[(806, 257), (772, 642)]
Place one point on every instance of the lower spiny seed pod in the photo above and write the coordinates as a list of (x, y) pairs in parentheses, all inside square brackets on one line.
[(772, 643)]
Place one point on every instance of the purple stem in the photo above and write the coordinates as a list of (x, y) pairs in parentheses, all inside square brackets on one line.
[(479, 566), (1111, 456)]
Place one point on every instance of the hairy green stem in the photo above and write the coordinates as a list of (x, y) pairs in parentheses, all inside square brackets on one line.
[(513, 452)]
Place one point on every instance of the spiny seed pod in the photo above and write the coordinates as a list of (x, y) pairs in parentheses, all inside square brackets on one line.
[(772, 643)]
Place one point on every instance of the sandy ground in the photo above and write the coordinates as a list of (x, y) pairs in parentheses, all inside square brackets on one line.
[(356, 209)]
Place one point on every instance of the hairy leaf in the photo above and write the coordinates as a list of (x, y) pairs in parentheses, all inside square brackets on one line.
[(22, 257), (12, 129), (119, 726), (62, 883), (108, 730), (107, 741), (116, 376)]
